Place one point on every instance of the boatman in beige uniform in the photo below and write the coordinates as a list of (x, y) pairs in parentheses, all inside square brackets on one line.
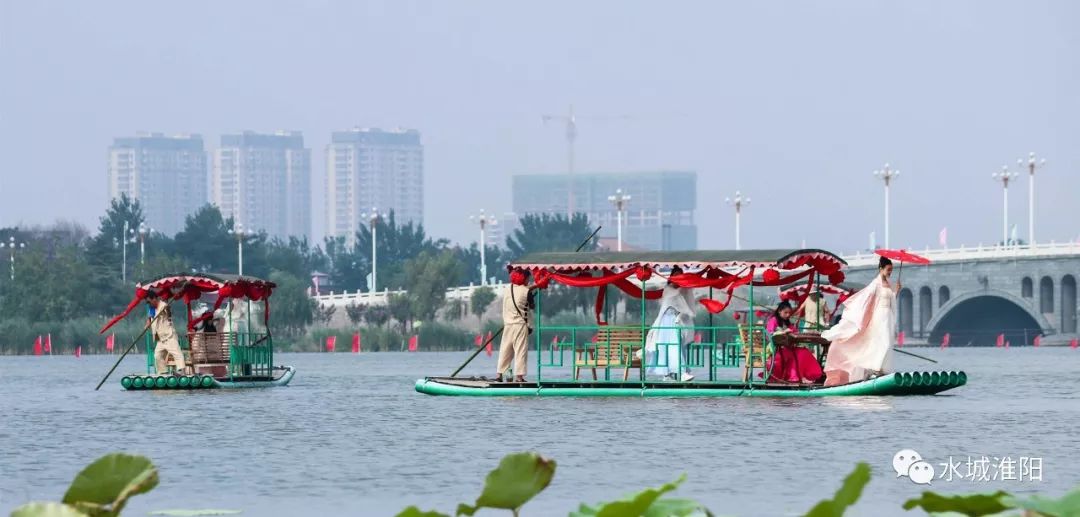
[(161, 326), (516, 320)]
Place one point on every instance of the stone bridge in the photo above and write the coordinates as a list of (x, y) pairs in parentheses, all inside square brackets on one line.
[(975, 294)]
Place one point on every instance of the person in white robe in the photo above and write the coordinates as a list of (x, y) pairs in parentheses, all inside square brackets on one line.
[(862, 342)]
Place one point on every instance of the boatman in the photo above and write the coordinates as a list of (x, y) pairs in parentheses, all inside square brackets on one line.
[(161, 326), (517, 302), (814, 312)]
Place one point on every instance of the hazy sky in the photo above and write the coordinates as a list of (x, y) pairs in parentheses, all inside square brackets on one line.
[(792, 103)]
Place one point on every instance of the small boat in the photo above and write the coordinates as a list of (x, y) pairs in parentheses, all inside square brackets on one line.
[(562, 353), (238, 356)]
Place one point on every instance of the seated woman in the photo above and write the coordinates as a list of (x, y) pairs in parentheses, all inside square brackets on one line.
[(790, 363)]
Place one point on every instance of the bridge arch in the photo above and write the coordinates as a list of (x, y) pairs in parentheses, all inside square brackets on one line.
[(1068, 304), (1046, 295), (978, 317), (926, 308), (907, 321)]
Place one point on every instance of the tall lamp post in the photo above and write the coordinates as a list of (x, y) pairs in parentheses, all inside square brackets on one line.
[(1004, 177), (738, 202), (1032, 164), (241, 234), (143, 232), (484, 220), (619, 200), (11, 245), (887, 175), (373, 219)]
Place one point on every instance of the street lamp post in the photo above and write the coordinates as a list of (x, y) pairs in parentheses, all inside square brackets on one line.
[(619, 200), (241, 234), (484, 220), (1004, 176), (373, 219), (1031, 166), (888, 175), (11, 245), (738, 202), (143, 231)]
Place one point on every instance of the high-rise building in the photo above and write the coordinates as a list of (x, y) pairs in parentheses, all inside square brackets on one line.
[(659, 215), (264, 182), (166, 174), (373, 169)]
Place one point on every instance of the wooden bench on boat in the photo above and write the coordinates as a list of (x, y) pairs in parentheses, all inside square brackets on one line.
[(210, 352), (614, 347), (753, 349)]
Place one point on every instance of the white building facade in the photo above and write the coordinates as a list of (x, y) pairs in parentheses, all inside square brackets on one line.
[(263, 181), (166, 174)]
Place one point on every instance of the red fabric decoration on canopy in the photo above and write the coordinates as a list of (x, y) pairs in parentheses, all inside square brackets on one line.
[(139, 295), (837, 278), (517, 277), (643, 273), (770, 276)]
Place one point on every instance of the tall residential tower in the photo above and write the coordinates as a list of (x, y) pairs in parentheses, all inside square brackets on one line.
[(264, 182), (166, 174), (371, 168)]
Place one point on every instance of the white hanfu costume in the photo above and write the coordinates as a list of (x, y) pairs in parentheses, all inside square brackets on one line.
[(863, 339), (664, 343)]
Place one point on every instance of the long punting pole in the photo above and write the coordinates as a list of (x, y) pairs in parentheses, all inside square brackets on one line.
[(122, 356), (477, 352)]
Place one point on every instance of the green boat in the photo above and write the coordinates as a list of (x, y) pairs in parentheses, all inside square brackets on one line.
[(728, 359), (240, 355)]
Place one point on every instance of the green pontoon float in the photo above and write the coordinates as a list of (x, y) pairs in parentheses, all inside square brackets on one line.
[(237, 356), (728, 360)]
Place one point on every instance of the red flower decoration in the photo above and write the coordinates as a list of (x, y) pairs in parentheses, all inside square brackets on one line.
[(771, 276), (543, 278), (737, 317), (517, 277), (643, 273), (836, 278)]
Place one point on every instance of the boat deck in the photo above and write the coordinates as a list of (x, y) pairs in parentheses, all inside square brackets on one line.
[(281, 377), (901, 383)]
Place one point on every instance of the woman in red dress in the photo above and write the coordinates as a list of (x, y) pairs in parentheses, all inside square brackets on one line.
[(789, 363)]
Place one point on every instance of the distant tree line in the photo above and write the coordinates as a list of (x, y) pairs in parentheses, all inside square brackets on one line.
[(71, 280)]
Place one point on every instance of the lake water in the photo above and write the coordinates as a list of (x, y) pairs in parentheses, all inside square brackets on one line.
[(350, 436)]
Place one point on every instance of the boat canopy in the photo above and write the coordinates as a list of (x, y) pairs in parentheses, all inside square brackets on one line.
[(797, 292), (725, 269), (191, 286)]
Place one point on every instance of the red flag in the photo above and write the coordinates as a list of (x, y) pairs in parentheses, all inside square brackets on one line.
[(356, 343), (554, 342), (48, 343), (1000, 341), (488, 341), (330, 342), (1006, 344), (1038, 340), (78, 351), (479, 340), (37, 346), (945, 340), (414, 343), (1074, 343), (900, 338), (110, 342), (697, 337)]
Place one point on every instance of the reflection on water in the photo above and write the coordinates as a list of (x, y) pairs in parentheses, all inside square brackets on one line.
[(351, 437)]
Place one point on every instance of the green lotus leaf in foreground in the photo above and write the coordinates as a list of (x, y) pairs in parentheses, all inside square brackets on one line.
[(846, 496), (973, 505), (517, 479), (46, 510), (103, 487)]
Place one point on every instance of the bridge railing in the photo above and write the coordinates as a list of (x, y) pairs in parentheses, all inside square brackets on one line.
[(980, 252), (345, 298)]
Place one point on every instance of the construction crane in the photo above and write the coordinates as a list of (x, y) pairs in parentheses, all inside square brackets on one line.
[(571, 135)]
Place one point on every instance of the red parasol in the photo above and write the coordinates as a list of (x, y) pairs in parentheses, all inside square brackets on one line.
[(902, 256)]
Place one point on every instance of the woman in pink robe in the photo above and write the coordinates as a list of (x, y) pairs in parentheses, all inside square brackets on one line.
[(789, 363), (862, 341)]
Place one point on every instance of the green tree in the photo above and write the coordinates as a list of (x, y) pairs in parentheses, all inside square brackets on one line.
[(545, 232), (481, 299), (396, 244), (400, 308), (495, 257), (377, 315), (347, 266), (355, 312), (208, 246), (293, 310), (104, 253), (427, 277)]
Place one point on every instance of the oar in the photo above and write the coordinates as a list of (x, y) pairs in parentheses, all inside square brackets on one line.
[(122, 356), (914, 355), (477, 352)]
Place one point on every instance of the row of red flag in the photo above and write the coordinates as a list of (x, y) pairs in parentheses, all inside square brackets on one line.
[(331, 343), (44, 346)]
